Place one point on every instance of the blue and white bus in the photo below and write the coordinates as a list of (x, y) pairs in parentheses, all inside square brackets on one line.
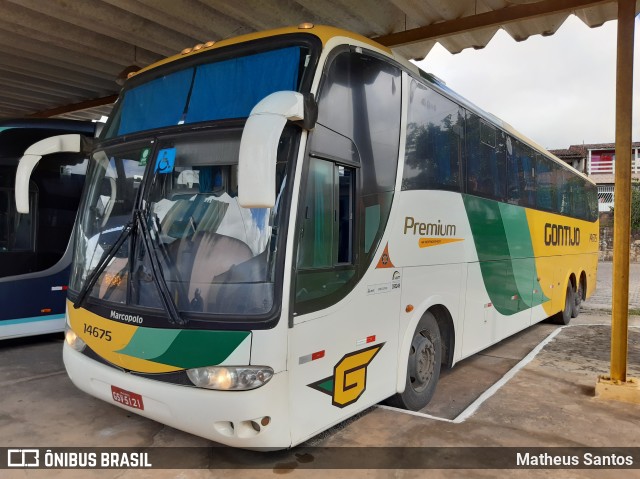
[(35, 252)]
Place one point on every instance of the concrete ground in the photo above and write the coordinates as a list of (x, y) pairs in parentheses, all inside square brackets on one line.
[(601, 299), (549, 402)]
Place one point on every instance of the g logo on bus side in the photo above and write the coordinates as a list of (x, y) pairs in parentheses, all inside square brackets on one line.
[(349, 380)]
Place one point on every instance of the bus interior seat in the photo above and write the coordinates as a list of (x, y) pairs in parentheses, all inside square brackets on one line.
[(204, 255), (191, 214)]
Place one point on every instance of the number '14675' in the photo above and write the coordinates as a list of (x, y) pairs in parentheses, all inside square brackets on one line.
[(97, 332)]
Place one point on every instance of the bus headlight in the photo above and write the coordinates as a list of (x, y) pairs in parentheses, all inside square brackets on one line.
[(73, 339), (230, 378)]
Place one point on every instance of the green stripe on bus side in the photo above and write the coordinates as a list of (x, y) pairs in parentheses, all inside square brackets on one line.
[(503, 244), (186, 349), (516, 227), (492, 248)]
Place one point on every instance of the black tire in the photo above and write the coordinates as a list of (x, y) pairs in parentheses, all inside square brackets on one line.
[(577, 300), (423, 369), (564, 316)]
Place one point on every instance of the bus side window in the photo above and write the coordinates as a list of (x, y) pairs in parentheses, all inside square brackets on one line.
[(18, 229), (17, 233), (435, 136), (546, 184), (563, 189), (4, 219), (23, 234), (592, 202), (485, 159), (360, 102), (578, 192), (520, 174)]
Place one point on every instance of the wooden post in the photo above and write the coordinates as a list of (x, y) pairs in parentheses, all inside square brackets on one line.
[(622, 204)]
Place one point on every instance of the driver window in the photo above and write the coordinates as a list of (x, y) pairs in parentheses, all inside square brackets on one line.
[(325, 252), (350, 177)]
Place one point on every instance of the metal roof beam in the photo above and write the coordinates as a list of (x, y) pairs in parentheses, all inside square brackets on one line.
[(381, 17), (10, 112), (59, 59), (59, 87), (190, 16), (93, 113), (43, 68), (20, 92), (67, 35), (9, 102), (494, 18), (34, 89), (113, 22), (35, 48), (107, 100), (253, 15)]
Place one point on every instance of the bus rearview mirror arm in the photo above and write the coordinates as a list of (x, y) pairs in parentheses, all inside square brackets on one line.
[(259, 144), (30, 159)]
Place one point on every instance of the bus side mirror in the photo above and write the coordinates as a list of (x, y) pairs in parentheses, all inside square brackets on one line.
[(30, 159), (259, 144)]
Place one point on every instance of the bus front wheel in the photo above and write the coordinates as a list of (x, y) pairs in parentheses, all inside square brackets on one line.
[(423, 368)]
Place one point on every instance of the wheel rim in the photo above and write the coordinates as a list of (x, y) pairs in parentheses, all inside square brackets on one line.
[(421, 362)]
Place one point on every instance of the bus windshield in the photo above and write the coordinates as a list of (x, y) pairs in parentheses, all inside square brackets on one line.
[(222, 89), (215, 256)]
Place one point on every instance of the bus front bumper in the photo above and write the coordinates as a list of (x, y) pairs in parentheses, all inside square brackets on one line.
[(248, 419)]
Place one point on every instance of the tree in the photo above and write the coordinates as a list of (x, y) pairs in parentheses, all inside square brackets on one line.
[(635, 207)]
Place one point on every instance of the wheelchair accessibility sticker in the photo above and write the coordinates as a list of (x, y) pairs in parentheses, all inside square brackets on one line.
[(165, 160), (349, 380)]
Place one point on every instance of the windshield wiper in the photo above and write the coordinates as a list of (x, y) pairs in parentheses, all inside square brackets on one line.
[(137, 223), (102, 264), (166, 258), (156, 270)]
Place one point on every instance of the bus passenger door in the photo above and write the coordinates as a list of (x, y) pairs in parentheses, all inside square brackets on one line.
[(344, 341), (343, 345)]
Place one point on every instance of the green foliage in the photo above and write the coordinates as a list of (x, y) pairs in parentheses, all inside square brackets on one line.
[(635, 207)]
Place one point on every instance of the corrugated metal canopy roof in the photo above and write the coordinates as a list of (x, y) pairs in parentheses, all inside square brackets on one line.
[(57, 55)]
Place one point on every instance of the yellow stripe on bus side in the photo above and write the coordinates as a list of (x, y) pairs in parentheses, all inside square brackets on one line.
[(562, 246)]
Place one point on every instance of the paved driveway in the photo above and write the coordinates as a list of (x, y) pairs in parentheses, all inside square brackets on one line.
[(601, 299)]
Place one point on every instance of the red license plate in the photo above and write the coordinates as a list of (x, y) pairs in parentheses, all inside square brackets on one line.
[(127, 398)]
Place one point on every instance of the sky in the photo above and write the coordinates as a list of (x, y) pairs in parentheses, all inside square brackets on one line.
[(557, 90)]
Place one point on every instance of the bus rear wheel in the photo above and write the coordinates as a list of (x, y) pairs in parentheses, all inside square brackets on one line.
[(563, 317), (578, 297), (423, 368)]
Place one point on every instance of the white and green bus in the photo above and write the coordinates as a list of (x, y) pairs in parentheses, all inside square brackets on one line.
[(282, 229)]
